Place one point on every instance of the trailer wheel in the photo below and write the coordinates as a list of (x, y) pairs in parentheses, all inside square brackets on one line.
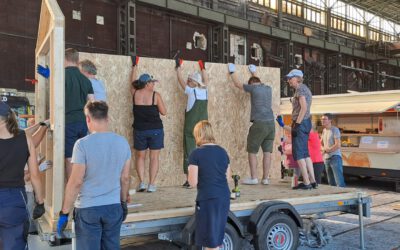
[(232, 240), (279, 232)]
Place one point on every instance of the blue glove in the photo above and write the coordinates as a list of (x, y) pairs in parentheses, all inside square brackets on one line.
[(45, 72), (62, 223), (231, 68), (280, 121), (252, 68)]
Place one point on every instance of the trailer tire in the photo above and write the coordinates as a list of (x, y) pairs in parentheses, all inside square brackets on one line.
[(232, 239), (279, 232)]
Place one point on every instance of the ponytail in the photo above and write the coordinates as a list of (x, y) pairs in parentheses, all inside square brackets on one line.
[(12, 124)]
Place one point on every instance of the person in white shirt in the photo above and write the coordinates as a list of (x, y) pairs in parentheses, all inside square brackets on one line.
[(195, 88)]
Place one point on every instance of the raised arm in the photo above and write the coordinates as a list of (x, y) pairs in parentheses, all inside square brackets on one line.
[(181, 81), (135, 62), (204, 74), (234, 76)]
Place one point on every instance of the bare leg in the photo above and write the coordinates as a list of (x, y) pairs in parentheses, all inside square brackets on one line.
[(154, 161), (68, 168), (310, 169), (303, 169), (140, 157), (253, 165), (266, 164)]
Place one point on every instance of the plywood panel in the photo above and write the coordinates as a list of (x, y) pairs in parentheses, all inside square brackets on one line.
[(229, 109)]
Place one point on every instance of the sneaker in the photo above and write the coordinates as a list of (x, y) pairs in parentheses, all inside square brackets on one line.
[(303, 186), (265, 181), (314, 185), (186, 184), (151, 188), (142, 187), (249, 181)]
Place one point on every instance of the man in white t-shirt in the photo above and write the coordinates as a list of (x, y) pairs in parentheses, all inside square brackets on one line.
[(195, 88)]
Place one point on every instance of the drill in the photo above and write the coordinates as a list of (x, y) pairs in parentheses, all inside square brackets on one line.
[(236, 190)]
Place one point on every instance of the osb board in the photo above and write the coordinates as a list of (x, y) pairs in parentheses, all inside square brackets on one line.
[(228, 108), (160, 203)]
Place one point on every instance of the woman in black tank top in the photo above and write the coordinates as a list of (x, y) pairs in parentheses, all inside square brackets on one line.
[(148, 132), (16, 150)]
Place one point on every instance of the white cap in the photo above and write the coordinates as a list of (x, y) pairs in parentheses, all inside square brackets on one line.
[(196, 76)]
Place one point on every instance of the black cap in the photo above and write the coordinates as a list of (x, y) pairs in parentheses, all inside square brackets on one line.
[(4, 109)]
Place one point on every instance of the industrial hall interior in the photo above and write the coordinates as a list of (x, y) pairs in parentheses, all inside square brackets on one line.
[(199, 124)]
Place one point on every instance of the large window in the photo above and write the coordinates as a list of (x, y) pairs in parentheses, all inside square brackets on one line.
[(344, 17), (267, 3), (291, 8)]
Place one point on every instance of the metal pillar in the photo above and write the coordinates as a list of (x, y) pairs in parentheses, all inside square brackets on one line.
[(361, 220), (127, 28), (220, 44)]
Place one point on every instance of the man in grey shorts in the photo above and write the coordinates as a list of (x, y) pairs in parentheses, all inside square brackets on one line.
[(301, 126), (262, 131), (99, 183)]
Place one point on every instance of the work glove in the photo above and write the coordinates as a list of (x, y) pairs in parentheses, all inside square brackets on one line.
[(135, 60), (202, 65), (38, 211), (252, 68), (45, 72), (62, 223), (178, 62), (231, 68), (280, 121), (124, 206)]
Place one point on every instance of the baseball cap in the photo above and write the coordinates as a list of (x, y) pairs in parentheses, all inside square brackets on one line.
[(196, 76), (4, 109), (294, 73), (145, 78)]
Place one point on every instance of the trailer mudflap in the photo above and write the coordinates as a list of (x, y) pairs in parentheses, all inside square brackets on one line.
[(263, 211)]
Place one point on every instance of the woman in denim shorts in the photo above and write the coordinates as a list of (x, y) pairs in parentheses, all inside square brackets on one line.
[(148, 132)]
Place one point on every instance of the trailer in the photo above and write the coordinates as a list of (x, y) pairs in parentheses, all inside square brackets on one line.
[(268, 216)]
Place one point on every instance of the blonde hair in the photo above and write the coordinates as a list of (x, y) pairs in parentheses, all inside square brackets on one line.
[(203, 133)]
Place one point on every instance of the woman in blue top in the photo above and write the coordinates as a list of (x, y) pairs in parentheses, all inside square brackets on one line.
[(209, 170)]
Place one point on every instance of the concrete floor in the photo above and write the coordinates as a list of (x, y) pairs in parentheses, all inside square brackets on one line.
[(381, 230)]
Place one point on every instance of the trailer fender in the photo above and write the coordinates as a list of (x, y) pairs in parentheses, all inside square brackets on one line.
[(264, 210), (188, 230)]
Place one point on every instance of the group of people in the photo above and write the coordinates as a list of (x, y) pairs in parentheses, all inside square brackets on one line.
[(98, 160)]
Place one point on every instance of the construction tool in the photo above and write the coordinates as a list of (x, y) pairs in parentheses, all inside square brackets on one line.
[(235, 191), (32, 81)]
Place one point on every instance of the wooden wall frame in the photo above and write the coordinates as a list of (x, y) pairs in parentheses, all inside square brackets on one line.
[(49, 101)]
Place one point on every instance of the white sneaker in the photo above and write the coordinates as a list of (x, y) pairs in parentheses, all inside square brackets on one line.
[(151, 188), (142, 187), (249, 181), (265, 181)]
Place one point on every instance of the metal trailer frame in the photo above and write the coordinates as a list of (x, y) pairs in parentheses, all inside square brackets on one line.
[(171, 229)]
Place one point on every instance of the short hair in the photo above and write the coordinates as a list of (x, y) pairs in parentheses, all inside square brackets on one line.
[(72, 55), (203, 133), (97, 110), (89, 67), (253, 79), (329, 116)]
